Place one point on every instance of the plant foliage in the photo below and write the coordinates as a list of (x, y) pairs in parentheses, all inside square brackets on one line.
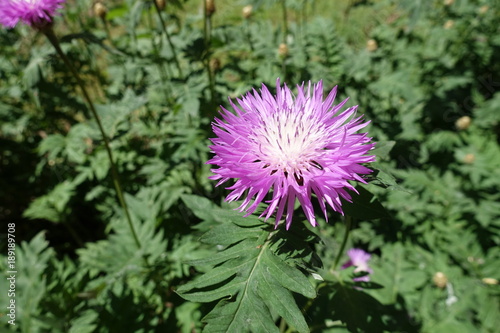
[(425, 73)]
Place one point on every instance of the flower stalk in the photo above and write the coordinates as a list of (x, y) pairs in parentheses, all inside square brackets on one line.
[(164, 71), (209, 10), (49, 32), (169, 40), (285, 34)]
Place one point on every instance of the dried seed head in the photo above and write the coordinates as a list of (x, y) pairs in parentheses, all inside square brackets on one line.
[(100, 10), (463, 123), (214, 64), (89, 144), (490, 281), (484, 9), (469, 158), (473, 260), (210, 7), (371, 45), (247, 11), (440, 280), (448, 2), (449, 24), (283, 50), (161, 4)]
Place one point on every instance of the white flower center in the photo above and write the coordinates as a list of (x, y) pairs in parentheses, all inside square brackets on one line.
[(290, 141)]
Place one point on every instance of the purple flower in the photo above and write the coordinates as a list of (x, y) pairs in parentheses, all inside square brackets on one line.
[(359, 259), (290, 146), (36, 13)]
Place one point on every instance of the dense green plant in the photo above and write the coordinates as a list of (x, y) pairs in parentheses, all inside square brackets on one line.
[(424, 73)]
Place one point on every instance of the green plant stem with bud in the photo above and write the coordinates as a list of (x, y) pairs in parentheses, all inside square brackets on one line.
[(207, 34), (164, 71), (114, 173), (285, 34), (169, 40), (106, 29), (285, 20)]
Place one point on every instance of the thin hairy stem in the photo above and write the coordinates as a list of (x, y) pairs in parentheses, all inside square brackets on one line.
[(169, 40), (207, 34), (285, 34), (114, 173)]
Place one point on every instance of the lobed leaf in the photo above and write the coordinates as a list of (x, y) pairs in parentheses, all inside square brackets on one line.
[(251, 282)]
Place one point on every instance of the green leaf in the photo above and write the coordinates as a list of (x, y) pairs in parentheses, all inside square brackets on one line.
[(201, 207), (288, 276), (53, 205), (364, 206), (85, 323), (117, 11), (237, 250), (52, 145), (270, 290), (250, 280), (228, 234), (386, 179), (31, 263), (382, 149)]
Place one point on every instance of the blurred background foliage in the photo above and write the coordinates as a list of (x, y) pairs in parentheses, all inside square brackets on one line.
[(426, 73)]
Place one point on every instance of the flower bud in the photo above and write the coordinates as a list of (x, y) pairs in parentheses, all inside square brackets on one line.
[(210, 7), (161, 4), (463, 123), (484, 9), (371, 45), (490, 281), (472, 260), (449, 24), (214, 65), (469, 158), (247, 11), (283, 50), (100, 10), (440, 280), (89, 144)]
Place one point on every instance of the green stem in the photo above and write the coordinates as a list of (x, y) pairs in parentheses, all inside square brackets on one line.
[(207, 34), (348, 221), (55, 42), (74, 234), (169, 40), (303, 28), (285, 34), (106, 28), (248, 35), (211, 82), (164, 73), (206, 27), (285, 20), (283, 325)]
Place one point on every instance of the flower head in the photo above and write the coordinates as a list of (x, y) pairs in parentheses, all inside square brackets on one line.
[(36, 13), (291, 146), (359, 259)]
